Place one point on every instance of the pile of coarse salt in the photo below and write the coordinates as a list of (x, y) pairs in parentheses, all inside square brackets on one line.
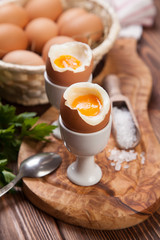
[(125, 128), (122, 156)]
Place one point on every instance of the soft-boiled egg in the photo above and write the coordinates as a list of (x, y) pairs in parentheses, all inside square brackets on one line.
[(54, 40), (69, 63), (85, 107)]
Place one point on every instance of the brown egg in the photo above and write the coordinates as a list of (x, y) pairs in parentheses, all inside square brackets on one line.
[(69, 62), (85, 107), (85, 28), (39, 31), (55, 40), (12, 13), (70, 15), (12, 37), (44, 8), (23, 57)]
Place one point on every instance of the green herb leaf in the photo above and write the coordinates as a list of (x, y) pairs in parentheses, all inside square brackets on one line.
[(9, 144), (7, 115), (8, 176), (40, 131), (3, 164), (6, 134), (13, 128), (19, 119), (27, 125)]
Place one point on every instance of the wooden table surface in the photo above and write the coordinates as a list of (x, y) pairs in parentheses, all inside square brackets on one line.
[(19, 219)]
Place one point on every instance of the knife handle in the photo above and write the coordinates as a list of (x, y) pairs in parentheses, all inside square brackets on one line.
[(111, 84)]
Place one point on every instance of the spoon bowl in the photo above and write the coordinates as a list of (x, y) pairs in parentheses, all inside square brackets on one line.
[(38, 165)]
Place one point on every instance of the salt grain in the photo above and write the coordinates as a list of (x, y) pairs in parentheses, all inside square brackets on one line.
[(113, 164), (126, 166), (118, 166), (142, 155), (123, 157), (125, 128)]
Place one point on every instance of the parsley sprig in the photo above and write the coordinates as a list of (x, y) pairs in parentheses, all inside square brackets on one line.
[(13, 128)]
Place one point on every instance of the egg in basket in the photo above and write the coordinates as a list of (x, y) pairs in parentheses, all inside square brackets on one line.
[(25, 46)]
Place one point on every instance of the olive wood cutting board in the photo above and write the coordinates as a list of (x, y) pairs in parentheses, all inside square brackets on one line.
[(122, 198)]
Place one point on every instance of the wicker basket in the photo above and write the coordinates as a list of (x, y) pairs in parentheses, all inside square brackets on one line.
[(25, 84)]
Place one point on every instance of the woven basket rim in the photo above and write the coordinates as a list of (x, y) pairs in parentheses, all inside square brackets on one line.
[(99, 50), (18, 67), (114, 29)]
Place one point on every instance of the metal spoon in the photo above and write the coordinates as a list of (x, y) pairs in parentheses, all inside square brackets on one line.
[(37, 165), (112, 84)]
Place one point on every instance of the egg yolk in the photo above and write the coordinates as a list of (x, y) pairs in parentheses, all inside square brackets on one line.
[(67, 61), (88, 105)]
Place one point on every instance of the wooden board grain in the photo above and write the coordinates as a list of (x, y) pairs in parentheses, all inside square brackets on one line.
[(122, 198)]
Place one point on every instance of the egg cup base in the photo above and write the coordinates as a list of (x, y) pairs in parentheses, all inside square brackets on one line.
[(84, 171)]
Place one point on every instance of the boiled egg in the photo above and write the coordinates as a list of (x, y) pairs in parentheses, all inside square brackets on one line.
[(54, 40), (69, 63), (85, 107)]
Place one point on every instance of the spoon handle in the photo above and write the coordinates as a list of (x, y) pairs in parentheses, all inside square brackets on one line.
[(10, 185)]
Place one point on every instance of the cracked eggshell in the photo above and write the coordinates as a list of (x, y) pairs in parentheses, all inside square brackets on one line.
[(67, 76), (54, 40), (77, 122)]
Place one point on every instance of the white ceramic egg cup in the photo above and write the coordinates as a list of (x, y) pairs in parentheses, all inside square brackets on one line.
[(54, 94), (84, 171)]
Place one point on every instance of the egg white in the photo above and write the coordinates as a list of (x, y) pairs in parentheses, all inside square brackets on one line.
[(79, 50), (80, 89)]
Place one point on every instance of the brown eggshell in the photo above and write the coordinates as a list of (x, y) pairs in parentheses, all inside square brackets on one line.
[(55, 40), (70, 15), (12, 37), (68, 77), (39, 31), (74, 122), (23, 57), (44, 8), (84, 28), (13, 13)]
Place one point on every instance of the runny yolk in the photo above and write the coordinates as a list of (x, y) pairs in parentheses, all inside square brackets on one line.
[(88, 105), (67, 61)]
